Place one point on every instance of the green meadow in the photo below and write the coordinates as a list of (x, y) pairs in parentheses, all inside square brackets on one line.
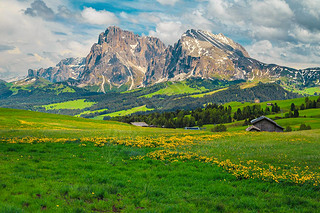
[(283, 104), (309, 91), (143, 108), (56, 163), (175, 88), (76, 104), (93, 111)]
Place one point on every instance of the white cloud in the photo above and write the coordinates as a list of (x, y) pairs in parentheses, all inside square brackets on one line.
[(280, 30), (256, 16), (31, 42), (15, 51), (168, 32), (197, 19), (273, 31), (286, 54), (168, 2), (304, 35), (102, 17), (271, 13)]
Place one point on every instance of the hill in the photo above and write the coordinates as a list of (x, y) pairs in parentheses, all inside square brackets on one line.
[(167, 96)]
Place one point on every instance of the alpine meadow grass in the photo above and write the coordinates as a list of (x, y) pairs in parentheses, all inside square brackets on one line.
[(57, 163)]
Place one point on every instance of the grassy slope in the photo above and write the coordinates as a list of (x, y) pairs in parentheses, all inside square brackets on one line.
[(23, 123), (284, 104), (312, 118), (175, 88), (207, 93), (242, 86), (89, 112), (305, 91), (125, 112), (35, 177), (76, 104), (310, 91)]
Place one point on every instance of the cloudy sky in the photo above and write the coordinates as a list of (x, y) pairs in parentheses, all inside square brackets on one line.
[(39, 33)]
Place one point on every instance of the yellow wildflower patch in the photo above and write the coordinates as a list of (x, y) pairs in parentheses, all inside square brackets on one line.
[(176, 148)]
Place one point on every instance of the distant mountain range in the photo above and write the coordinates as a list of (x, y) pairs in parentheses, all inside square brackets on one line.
[(140, 73), (122, 59)]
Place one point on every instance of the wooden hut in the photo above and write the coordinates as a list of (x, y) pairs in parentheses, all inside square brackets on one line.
[(264, 124)]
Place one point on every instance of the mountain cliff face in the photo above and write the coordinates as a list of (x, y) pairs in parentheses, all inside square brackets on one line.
[(124, 59), (64, 70), (199, 54), (120, 58), (206, 55)]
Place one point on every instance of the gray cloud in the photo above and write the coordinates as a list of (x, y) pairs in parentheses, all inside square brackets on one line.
[(306, 13), (64, 12), (4, 47), (40, 9), (59, 33)]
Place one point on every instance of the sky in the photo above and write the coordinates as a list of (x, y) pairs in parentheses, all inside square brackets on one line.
[(40, 33)]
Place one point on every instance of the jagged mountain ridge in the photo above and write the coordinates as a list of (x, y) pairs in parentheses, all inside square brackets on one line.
[(69, 68), (122, 58)]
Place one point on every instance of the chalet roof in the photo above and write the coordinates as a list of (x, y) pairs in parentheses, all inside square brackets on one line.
[(192, 128), (268, 119), (142, 124), (250, 128)]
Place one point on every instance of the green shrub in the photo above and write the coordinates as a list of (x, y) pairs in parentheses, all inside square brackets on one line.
[(288, 129), (305, 127), (219, 128)]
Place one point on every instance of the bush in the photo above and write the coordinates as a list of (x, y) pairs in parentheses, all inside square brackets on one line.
[(288, 129), (219, 128), (305, 127)]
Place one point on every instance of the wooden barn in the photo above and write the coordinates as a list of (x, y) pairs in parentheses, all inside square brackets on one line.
[(264, 124)]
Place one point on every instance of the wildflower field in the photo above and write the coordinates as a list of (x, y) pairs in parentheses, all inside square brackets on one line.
[(57, 163)]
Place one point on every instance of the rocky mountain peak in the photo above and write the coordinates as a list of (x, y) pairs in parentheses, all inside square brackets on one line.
[(204, 39), (124, 60), (65, 69), (120, 58), (115, 36)]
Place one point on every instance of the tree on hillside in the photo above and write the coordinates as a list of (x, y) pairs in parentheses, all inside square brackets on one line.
[(275, 108), (305, 127), (267, 111), (288, 129)]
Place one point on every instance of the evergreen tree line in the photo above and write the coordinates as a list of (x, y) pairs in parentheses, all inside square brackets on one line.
[(254, 111), (308, 104), (211, 114)]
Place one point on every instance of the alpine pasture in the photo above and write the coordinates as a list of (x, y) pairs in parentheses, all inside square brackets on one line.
[(56, 163)]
